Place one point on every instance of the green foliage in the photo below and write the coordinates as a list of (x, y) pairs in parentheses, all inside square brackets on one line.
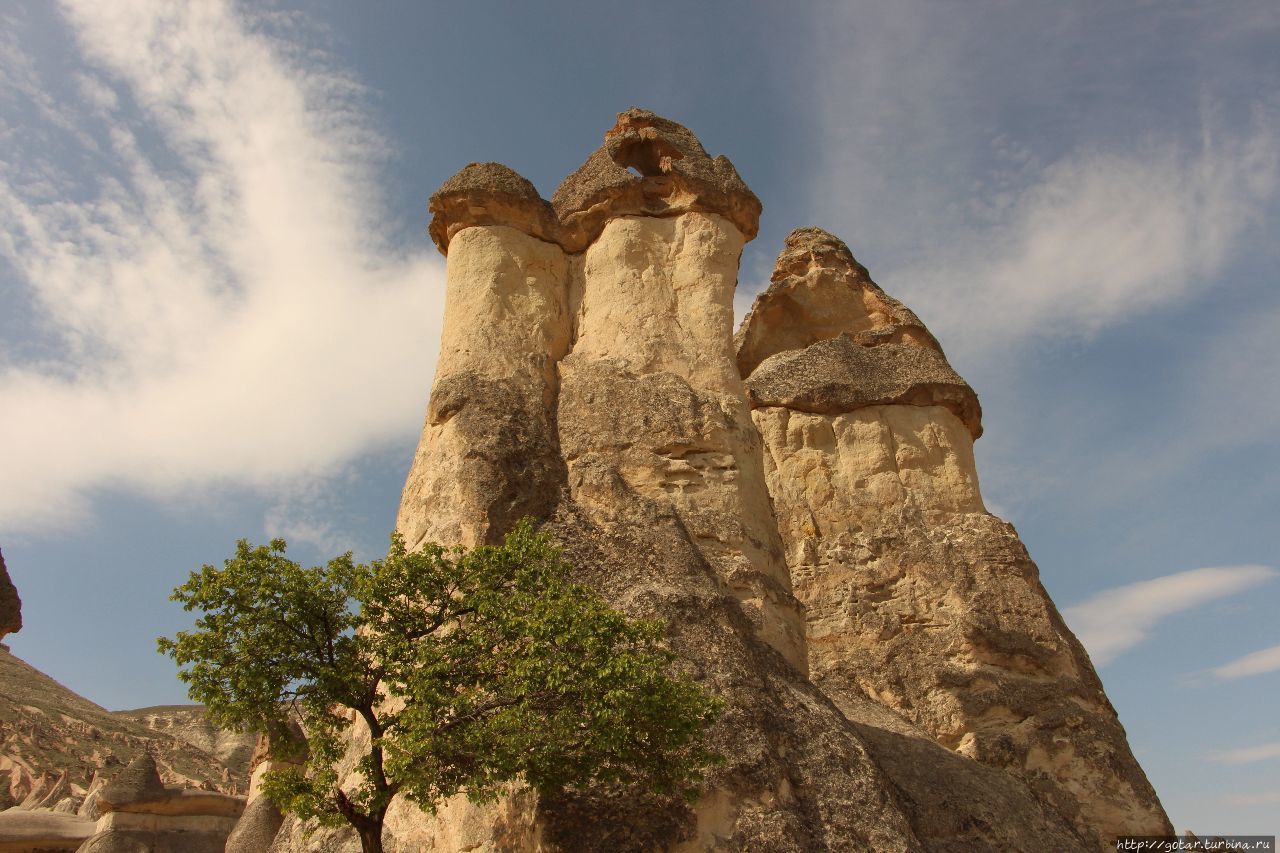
[(470, 669)]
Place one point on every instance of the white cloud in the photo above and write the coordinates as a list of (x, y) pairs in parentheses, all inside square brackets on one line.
[(1255, 663), (222, 305), (320, 535), (1248, 754), (1117, 619), (1097, 239)]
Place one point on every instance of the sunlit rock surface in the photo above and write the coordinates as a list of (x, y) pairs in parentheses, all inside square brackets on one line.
[(895, 678)]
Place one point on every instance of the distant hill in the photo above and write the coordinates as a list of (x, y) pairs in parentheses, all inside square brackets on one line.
[(55, 744)]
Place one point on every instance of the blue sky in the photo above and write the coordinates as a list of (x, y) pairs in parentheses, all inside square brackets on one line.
[(219, 307)]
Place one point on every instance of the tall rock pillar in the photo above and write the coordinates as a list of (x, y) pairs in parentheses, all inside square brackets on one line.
[(488, 453), (916, 596), (650, 389)]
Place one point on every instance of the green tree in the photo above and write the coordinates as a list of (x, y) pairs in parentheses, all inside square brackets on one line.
[(470, 669)]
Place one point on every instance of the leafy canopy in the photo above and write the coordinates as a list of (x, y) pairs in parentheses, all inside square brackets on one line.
[(470, 669)]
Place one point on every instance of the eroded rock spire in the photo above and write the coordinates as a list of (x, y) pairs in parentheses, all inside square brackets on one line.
[(916, 595), (825, 338)]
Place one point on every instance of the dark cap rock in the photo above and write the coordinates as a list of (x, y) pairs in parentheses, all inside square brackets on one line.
[(818, 291), (489, 194), (840, 375), (672, 174)]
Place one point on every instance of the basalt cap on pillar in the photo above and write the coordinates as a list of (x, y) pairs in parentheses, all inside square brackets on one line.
[(825, 338), (489, 194), (840, 375), (818, 291), (650, 166)]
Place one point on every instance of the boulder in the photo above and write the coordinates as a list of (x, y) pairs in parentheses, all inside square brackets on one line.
[(140, 813), (140, 781)]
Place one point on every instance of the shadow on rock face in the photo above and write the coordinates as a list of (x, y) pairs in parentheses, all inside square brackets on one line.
[(615, 820)]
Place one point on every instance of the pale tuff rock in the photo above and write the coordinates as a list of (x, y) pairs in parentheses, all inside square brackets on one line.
[(914, 594), (588, 377), (10, 604), (141, 814), (488, 447), (278, 749), (256, 829), (649, 393), (43, 830)]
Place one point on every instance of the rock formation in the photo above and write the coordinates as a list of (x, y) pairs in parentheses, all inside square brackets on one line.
[(42, 831), (141, 813), (262, 818), (10, 604), (588, 377), (57, 748), (914, 594)]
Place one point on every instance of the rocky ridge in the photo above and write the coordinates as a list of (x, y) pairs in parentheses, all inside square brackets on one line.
[(895, 677), (58, 748)]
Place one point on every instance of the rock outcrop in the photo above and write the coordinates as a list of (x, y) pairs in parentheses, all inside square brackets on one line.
[(141, 813), (914, 594), (42, 831), (57, 748), (588, 377), (262, 818), (10, 604)]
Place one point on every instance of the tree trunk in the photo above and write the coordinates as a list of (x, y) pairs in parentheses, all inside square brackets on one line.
[(368, 827), (371, 837)]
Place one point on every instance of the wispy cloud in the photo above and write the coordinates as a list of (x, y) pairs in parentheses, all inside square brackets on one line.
[(203, 250), (303, 514), (1248, 754), (1262, 798), (1255, 663), (1117, 619), (1003, 214), (1099, 238)]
